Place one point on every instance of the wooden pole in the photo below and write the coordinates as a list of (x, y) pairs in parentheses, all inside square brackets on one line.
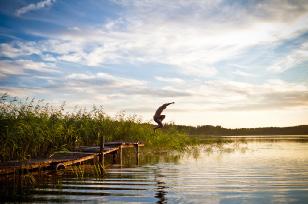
[(101, 148), (120, 154), (113, 157), (103, 162), (137, 153)]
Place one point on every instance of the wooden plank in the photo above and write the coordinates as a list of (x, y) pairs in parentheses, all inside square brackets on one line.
[(82, 159), (132, 145), (68, 155), (96, 149), (107, 145), (126, 144), (25, 166), (110, 150), (114, 143), (93, 149)]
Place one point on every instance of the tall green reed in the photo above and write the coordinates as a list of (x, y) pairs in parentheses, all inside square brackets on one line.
[(32, 128)]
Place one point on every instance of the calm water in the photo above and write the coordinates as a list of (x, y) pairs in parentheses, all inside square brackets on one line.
[(252, 172)]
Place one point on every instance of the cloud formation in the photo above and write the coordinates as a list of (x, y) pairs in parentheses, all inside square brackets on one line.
[(21, 67), (291, 59), (32, 7), (211, 56), (160, 32)]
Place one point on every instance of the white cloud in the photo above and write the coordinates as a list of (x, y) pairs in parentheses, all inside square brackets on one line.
[(224, 95), (48, 58), (72, 57), (33, 7), (20, 67), (75, 28), (7, 69), (96, 57), (104, 83), (170, 80), (106, 80), (18, 48), (292, 59), (8, 50), (36, 66), (243, 73), (273, 94)]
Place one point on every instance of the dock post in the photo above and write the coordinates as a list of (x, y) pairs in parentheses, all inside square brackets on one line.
[(137, 153), (120, 154), (101, 149), (113, 157)]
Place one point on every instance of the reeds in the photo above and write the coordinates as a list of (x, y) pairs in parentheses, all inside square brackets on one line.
[(30, 128), (78, 171), (98, 170)]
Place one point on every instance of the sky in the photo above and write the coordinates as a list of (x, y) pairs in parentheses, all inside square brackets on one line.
[(230, 63)]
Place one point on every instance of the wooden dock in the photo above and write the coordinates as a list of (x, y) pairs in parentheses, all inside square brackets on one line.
[(60, 160)]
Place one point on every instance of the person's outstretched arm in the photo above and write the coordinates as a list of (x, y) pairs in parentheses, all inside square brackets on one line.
[(167, 104)]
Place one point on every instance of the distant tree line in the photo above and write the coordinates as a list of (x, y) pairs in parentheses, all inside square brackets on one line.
[(218, 130)]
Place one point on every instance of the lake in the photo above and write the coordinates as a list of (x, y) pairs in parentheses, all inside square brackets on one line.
[(255, 171)]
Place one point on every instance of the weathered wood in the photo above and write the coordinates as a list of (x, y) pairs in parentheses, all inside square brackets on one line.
[(101, 149), (110, 150), (120, 154), (63, 159), (71, 162), (68, 155), (11, 167), (137, 153), (114, 154)]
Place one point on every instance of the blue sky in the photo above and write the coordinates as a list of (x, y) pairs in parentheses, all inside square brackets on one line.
[(229, 63)]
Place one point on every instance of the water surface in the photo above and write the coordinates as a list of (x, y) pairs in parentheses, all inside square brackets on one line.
[(253, 172)]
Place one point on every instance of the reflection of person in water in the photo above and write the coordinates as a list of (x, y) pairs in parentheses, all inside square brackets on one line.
[(161, 192), (161, 188), (158, 117)]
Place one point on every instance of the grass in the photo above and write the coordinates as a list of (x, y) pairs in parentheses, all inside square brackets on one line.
[(79, 171), (30, 128)]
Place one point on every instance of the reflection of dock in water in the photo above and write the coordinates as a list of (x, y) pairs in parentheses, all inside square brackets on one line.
[(59, 160)]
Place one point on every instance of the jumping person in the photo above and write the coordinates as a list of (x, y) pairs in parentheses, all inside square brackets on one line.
[(158, 117)]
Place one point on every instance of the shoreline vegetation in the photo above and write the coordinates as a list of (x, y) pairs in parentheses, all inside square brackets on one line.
[(221, 131), (31, 128)]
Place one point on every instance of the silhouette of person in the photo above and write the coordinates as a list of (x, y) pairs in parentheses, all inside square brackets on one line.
[(158, 117)]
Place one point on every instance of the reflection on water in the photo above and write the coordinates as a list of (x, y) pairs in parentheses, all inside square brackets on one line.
[(161, 189), (251, 172)]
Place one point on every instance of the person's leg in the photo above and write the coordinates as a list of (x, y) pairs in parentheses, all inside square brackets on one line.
[(160, 124), (162, 117)]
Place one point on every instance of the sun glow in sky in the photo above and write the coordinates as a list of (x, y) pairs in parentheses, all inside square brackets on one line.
[(230, 63)]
